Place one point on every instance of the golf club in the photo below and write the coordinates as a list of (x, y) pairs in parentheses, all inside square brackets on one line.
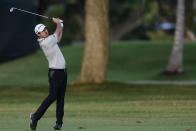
[(14, 8)]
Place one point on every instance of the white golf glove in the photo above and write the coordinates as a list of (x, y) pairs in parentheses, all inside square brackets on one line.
[(61, 21)]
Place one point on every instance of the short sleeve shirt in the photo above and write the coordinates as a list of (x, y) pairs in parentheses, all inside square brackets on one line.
[(52, 52)]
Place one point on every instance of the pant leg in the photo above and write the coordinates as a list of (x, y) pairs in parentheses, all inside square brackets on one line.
[(49, 99), (60, 97)]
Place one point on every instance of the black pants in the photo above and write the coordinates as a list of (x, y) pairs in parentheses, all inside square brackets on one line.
[(58, 82)]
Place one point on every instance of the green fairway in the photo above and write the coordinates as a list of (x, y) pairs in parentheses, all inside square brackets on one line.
[(108, 106), (104, 107), (127, 61)]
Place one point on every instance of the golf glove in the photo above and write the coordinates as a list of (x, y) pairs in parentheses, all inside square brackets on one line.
[(61, 21)]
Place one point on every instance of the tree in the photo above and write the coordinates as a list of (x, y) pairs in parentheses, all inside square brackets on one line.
[(175, 64), (96, 49), (133, 21), (125, 16)]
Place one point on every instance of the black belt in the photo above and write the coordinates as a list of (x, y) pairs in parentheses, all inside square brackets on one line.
[(50, 69)]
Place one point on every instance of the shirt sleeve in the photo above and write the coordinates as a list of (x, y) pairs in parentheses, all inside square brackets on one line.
[(55, 37), (50, 40)]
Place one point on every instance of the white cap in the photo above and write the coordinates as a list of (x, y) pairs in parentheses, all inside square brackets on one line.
[(39, 28)]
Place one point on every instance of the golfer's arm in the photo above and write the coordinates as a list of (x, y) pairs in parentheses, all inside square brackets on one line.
[(59, 32), (60, 36)]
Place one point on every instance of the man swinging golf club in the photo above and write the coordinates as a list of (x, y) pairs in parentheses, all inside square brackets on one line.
[(57, 73)]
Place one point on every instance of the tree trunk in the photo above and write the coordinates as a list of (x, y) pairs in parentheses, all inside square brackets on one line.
[(96, 49), (175, 64)]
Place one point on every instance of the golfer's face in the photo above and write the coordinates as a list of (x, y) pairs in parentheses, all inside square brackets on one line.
[(44, 33)]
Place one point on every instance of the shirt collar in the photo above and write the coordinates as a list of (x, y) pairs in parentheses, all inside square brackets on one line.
[(40, 39)]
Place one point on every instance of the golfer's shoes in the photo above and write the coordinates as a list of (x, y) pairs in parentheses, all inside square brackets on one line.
[(33, 123), (57, 126)]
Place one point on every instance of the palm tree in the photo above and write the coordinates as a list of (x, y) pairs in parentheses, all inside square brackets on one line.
[(175, 64)]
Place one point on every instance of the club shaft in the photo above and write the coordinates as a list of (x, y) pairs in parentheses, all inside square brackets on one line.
[(32, 13)]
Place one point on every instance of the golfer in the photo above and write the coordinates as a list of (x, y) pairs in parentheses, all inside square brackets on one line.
[(57, 73)]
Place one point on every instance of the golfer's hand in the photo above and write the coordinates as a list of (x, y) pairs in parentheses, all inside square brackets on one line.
[(56, 20)]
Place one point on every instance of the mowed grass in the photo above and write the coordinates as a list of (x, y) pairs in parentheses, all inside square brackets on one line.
[(104, 107), (134, 60), (143, 60)]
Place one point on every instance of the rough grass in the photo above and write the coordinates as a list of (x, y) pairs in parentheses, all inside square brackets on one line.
[(128, 61), (104, 107)]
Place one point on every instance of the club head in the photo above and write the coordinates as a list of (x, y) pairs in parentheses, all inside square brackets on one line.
[(12, 9)]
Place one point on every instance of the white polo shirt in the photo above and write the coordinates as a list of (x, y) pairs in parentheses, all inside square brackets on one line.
[(52, 52)]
